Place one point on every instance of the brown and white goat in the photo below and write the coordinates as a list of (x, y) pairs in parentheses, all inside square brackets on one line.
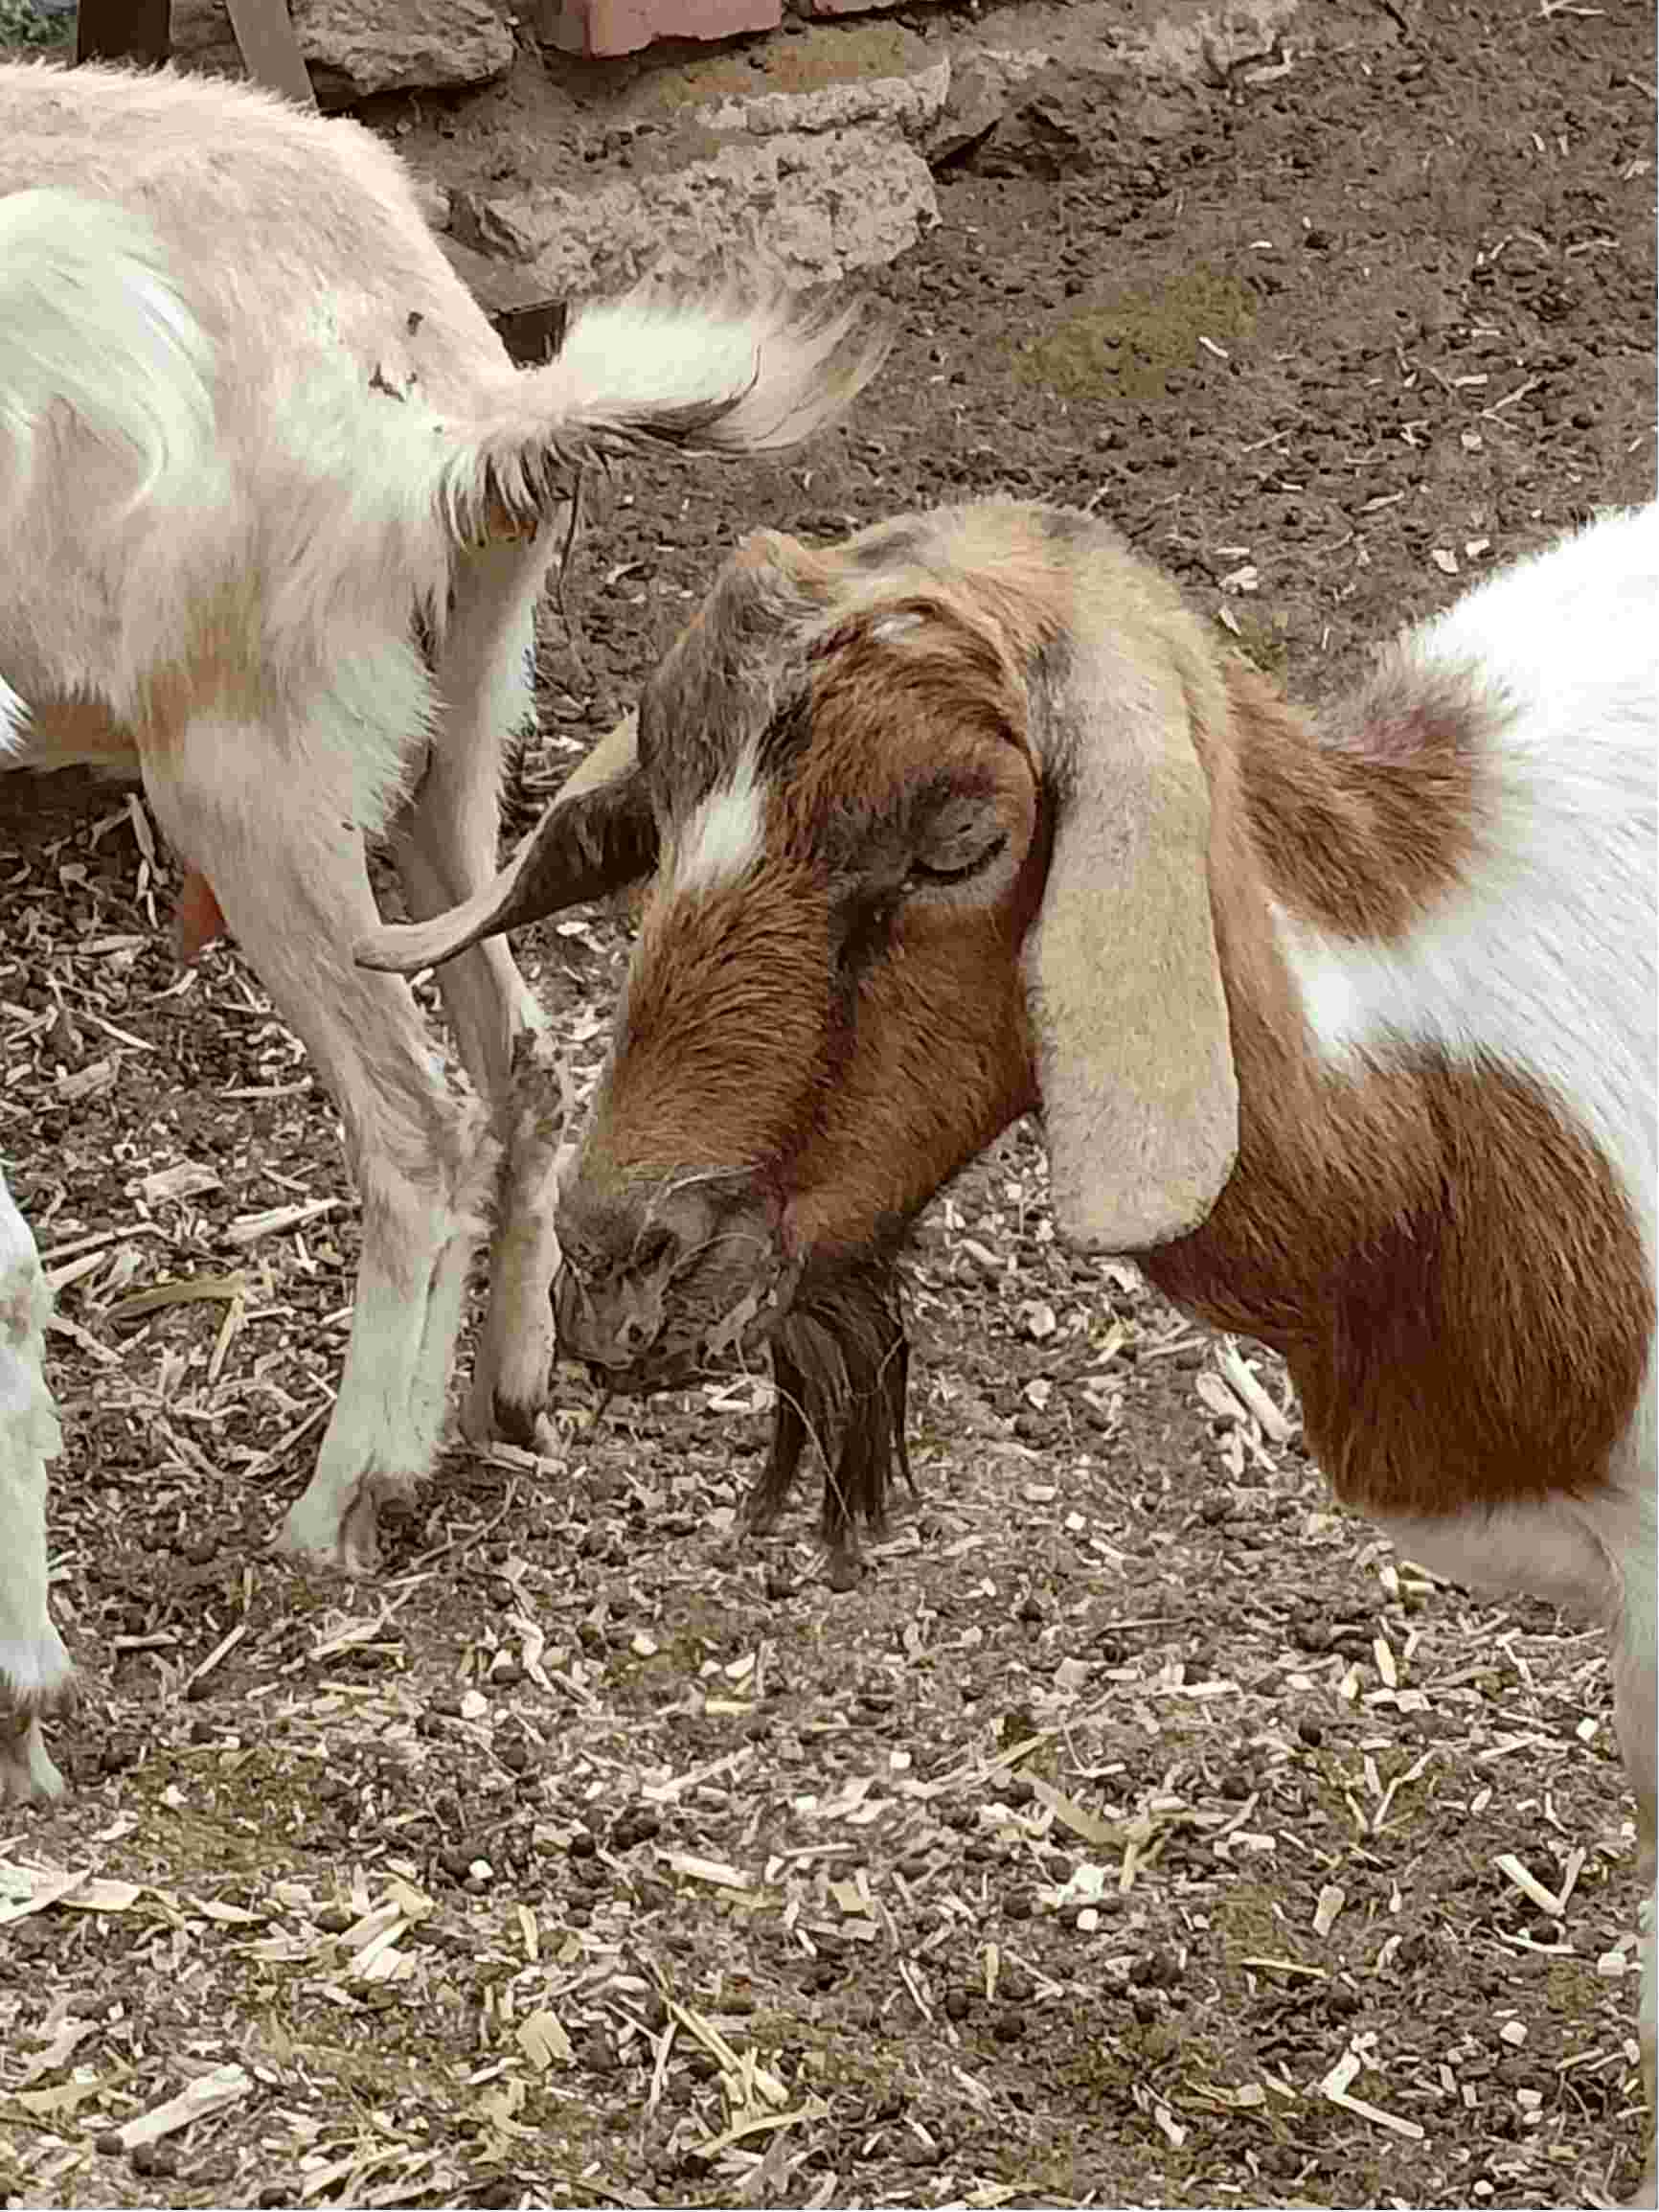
[(275, 510), (1345, 1026)]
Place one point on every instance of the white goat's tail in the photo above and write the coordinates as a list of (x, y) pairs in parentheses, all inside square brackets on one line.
[(91, 326), (653, 369)]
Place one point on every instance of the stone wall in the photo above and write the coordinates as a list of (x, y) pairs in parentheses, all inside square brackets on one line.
[(808, 156)]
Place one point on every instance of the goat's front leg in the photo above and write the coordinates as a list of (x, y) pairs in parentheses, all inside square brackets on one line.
[(290, 874), (516, 1344), (35, 1676), (1637, 1715), (445, 845)]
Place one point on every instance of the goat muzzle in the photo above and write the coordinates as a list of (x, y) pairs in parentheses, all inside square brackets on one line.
[(660, 1283)]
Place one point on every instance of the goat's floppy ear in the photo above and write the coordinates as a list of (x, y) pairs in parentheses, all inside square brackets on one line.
[(1135, 1064), (598, 836)]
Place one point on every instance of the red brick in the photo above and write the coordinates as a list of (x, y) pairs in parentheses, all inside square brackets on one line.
[(624, 26)]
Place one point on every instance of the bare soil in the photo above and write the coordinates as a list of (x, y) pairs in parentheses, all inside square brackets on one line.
[(597, 1855)]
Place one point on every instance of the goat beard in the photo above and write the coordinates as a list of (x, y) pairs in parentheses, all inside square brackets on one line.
[(840, 1361)]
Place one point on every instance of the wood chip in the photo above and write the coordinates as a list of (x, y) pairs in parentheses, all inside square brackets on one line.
[(209, 2094), (714, 1870), (1278, 1428), (1288, 1966), (1334, 2089), (249, 1228), (187, 1179), (1081, 1822), (1331, 1901), (761, 2124), (1529, 1885), (543, 2040)]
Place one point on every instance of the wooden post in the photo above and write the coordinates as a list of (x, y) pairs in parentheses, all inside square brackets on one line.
[(124, 31), (270, 50)]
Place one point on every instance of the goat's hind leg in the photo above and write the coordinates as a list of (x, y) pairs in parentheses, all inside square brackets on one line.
[(290, 874), (35, 1674)]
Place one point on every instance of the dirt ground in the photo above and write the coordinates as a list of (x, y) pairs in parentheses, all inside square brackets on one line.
[(596, 1856)]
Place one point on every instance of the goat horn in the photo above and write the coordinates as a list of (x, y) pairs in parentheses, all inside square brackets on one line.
[(583, 848)]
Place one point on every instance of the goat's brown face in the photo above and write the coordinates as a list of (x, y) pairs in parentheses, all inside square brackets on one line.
[(824, 1016)]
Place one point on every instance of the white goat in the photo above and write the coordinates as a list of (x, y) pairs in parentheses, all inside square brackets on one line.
[(1345, 1026), (276, 508)]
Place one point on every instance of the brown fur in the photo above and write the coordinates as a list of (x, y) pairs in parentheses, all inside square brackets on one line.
[(722, 1010), (841, 1363), (221, 672), (1364, 830), (948, 994), (197, 920)]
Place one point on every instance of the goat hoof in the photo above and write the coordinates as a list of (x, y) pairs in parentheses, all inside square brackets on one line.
[(846, 1569), (350, 1544), (516, 1422), (359, 1550), (26, 1773)]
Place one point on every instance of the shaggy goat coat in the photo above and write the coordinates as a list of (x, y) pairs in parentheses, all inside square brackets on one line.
[(275, 511)]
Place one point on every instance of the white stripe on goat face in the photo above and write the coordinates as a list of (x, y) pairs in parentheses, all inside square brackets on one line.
[(725, 833)]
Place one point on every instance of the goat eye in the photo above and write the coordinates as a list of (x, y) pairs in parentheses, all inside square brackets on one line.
[(949, 865)]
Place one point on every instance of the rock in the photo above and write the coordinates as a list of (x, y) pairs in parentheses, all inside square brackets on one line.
[(355, 47), (1029, 115), (845, 7), (807, 208), (1040, 139), (910, 105), (982, 90)]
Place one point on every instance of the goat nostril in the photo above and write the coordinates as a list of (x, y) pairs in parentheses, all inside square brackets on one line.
[(655, 1252)]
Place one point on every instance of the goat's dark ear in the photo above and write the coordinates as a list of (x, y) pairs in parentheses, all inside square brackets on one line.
[(598, 836), (1134, 1048)]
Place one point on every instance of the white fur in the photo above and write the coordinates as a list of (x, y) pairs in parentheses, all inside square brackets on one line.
[(893, 627), (14, 714), (254, 435), (34, 1670), (726, 834), (96, 337)]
